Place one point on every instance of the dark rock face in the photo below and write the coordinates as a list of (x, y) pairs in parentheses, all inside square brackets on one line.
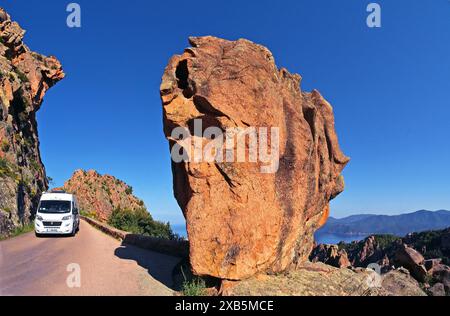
[(25, 77), (242, 218)]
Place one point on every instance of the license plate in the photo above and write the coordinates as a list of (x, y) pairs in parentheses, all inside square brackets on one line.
[(52, 230)]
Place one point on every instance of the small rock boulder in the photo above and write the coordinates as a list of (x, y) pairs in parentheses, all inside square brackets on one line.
[(411, 260), (430, 264), (437, 290)]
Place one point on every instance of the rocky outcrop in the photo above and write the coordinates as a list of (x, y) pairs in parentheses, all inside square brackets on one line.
[(370, 252), (437, 290), (254, 214), (398, 283), (419, 255), (25, 77), (98, 195), (317, 279), (441, 274), (377, 249), (331, 255)]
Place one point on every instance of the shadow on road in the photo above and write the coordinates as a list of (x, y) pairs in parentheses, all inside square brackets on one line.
[(54, 236), (159, 266)]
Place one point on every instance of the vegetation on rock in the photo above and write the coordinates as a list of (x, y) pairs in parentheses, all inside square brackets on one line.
[(19, 230), (111, 200), (194, 287), (140, 222)]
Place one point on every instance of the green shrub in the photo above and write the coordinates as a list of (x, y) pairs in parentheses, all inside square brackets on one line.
[(106, 189), (6, 169), (3, 164), (89, 214), (129, 190), (140, 222), (21, 76), (22, 229), (35, 166), (38, 56), (5, 146), (7, 209), (386, 241), (194, 287)]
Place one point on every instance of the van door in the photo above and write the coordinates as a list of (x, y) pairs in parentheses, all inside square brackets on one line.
[(75, 213)]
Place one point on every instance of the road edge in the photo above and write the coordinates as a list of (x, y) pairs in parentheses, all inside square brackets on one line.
[(177, 248)]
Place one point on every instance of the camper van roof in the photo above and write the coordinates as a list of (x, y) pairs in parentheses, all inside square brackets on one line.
[(56, 191), (51, 196)]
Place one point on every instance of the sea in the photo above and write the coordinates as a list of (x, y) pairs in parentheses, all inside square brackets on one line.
[(180, 230), (321, 238), (333, 239)]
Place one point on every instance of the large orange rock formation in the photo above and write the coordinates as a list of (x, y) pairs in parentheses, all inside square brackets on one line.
[(100, 195), (243, 219)]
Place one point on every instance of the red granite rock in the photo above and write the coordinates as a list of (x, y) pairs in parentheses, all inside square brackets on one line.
[(242, 219)]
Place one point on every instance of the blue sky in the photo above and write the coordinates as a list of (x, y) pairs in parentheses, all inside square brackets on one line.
[(390, 88)]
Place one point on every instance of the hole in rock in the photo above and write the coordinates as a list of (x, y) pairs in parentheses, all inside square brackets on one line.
[(309, 115), (182, 74)]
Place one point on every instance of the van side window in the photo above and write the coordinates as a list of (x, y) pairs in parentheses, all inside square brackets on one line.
[(74, 208)]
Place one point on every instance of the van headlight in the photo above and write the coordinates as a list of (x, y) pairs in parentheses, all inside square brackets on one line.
[(39, 218), (66, 218)]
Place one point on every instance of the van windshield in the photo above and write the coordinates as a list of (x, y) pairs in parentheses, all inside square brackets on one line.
[(50, 207)]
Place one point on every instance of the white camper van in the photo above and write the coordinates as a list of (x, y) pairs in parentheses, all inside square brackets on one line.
[(57, 214)]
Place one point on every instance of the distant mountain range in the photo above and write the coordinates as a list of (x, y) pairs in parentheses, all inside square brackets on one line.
[(400, 225)]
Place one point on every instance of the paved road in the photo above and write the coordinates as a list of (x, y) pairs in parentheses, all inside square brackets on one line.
[(38, 266)]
